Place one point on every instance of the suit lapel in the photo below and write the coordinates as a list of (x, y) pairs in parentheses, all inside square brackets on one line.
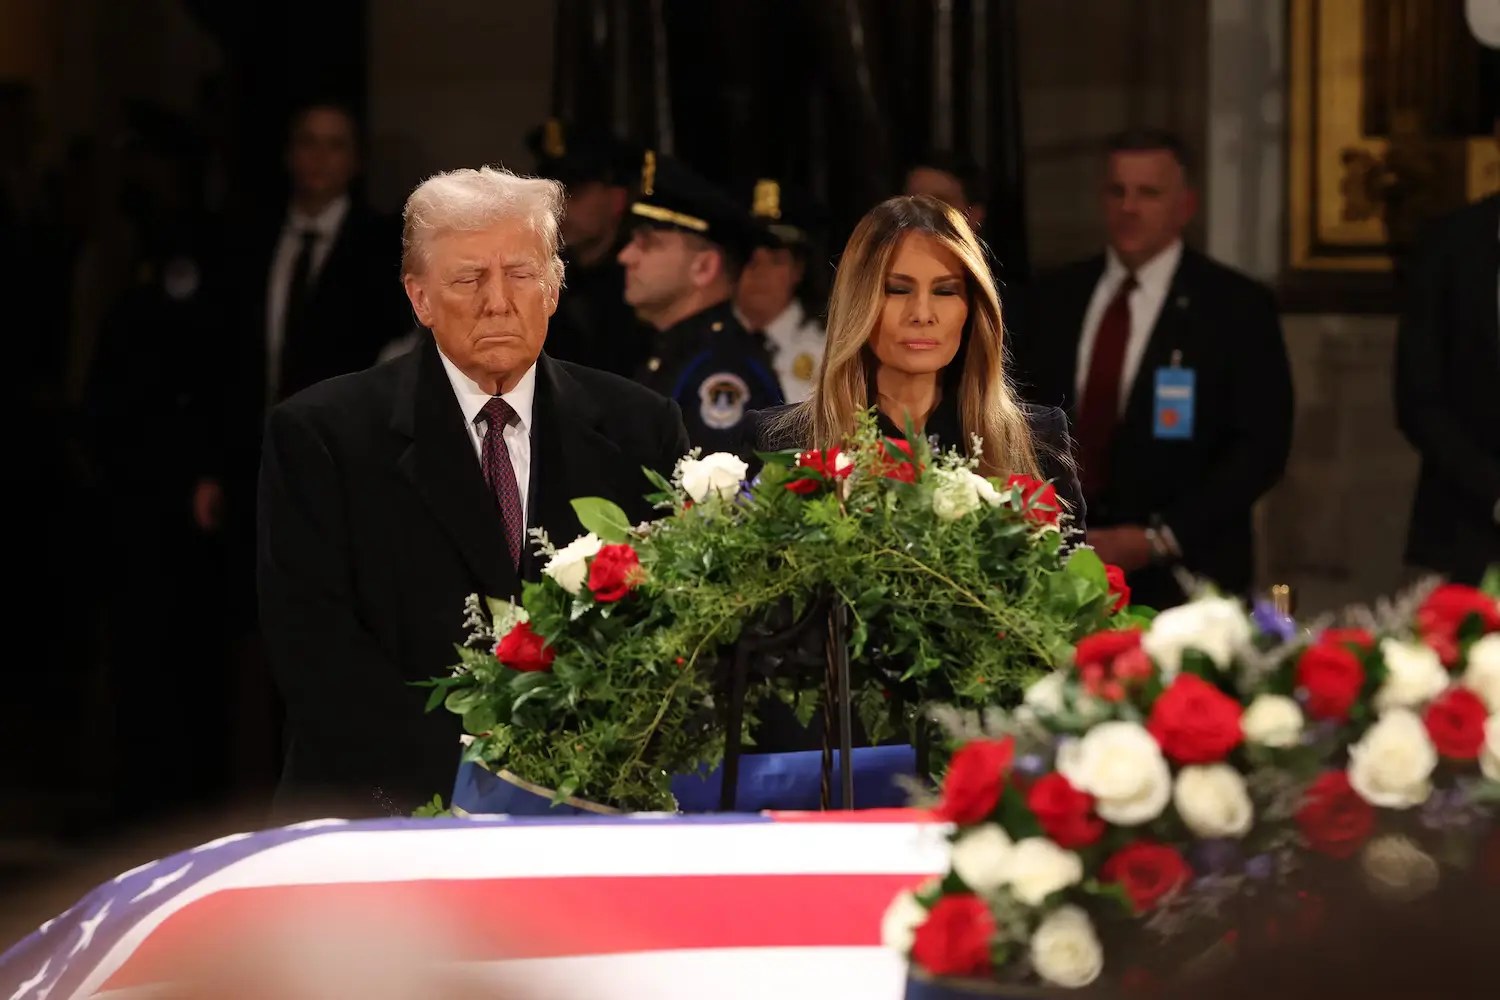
[(1166, 336), (440, 462), (570, 457)]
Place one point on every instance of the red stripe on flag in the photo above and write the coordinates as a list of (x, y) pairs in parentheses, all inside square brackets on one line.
[(491, 919)]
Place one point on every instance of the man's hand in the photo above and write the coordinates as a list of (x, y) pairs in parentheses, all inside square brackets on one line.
[(1125, 546), (208, 506)]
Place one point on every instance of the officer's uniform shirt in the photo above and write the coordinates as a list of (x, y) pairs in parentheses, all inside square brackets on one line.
[(716, 371), (796, 344)]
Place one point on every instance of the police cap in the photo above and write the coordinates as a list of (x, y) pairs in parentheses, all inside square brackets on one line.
[(790, 215), (574, 155), (671, 195)]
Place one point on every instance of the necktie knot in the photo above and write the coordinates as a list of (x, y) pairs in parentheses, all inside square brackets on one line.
[(497, 412), (1129, 284)]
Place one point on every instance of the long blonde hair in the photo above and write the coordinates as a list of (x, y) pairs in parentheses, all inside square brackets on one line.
[(987, 406)]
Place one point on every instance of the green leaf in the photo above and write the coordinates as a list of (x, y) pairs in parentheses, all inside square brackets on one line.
[(1491, 582), (479, 720), (459, 702), (1112, 891), (1085, 563), (432, 810), (603, 518), (435, 699)]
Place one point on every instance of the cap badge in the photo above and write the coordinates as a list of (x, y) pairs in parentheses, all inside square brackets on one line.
[(767, 203), (552, 140), (648, 173)]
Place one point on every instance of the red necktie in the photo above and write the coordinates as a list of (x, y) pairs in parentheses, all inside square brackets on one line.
[(501, 475), (1099, 410)]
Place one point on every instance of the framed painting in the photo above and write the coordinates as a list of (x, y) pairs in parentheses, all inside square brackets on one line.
[(1392, 107)]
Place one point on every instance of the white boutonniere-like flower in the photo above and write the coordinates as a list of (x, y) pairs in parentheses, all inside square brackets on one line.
[(1121, 765), (569, 565), (1065, 950), (1391, 767), (1217, 627), (720, 473), (1414, 675)]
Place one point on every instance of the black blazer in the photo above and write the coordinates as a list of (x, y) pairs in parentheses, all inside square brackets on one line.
[(375, 524), (1223, 325), (1049, 429), (1448, 392)]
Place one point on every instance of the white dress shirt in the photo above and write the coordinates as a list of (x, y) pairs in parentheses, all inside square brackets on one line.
[(284, 261), (796, 343), (472, 400), (1153, 283)]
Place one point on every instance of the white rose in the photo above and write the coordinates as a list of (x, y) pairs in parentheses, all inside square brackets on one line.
[(1065, 950), (1273, 720), (1045, 696), (985, 489), (719, 473), (1214, 626), (569, 566), (1483, 674), (980, 856), (1489, 757), (1398, 870), (1414, 675), (1122, 767), (1392, 766), (955, 495), (898, 928), (1213, 801), (1035, 868)]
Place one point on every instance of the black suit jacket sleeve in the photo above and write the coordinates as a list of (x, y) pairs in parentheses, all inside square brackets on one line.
[(1054, 453), (1261, 427), (675, 440), (1423, 409), (337, 681)]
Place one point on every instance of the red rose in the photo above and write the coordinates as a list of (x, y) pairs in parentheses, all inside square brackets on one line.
[(1447, 609), (1455, 721), (955, 938), (524, 650), (1066, 814), (1040, 498), (1195, 722), (975, 779), (614, 572), (891, 468), (1147, 872), (1118, 588), (1348, 637), (1103, 647), (1107, 661), (825, 464), (1332, 676), (1334, 820)]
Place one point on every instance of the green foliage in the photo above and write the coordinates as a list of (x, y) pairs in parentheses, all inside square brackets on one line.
[(432, 810), (970, 608)]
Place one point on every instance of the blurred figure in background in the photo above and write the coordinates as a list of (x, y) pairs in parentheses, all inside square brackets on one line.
[(949, 178), (769, 298), (1447, 388), (313, 294), (1176, 376), (593, 324), (688, 244)]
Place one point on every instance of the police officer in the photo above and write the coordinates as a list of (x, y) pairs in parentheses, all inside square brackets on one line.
[(592, 325), (688, 242), (773, 289)]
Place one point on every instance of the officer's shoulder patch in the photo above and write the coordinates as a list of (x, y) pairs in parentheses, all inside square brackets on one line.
[(721, 400)]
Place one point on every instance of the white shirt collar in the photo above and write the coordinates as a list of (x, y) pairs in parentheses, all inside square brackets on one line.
[(788, 323), (472, 399), (1155, 275), (326, 223)]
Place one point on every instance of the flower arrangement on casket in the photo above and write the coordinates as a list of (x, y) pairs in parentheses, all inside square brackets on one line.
[(602, 683), (1172, 781)]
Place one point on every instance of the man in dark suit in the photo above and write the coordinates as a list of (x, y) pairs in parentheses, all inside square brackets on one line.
[(312, 292), (390, 495), (1175, 374), (1448, 393)]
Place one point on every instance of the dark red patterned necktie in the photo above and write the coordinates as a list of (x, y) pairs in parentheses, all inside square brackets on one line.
[(1099, 410), (501, 475)]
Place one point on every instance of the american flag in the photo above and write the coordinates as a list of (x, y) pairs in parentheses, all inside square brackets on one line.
[(779, 905)]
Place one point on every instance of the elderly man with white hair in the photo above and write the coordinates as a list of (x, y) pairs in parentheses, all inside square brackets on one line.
[(389, 495)]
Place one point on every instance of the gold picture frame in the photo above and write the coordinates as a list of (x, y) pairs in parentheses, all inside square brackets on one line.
[(1353, 198)]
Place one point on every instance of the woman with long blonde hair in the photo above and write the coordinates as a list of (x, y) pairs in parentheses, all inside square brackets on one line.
[(915, 330)]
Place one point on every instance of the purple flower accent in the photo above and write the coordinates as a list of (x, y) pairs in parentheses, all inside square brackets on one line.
[(1031, 765), (1273, 622), (1450, 810), (1260, 867), (1215, 856)]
